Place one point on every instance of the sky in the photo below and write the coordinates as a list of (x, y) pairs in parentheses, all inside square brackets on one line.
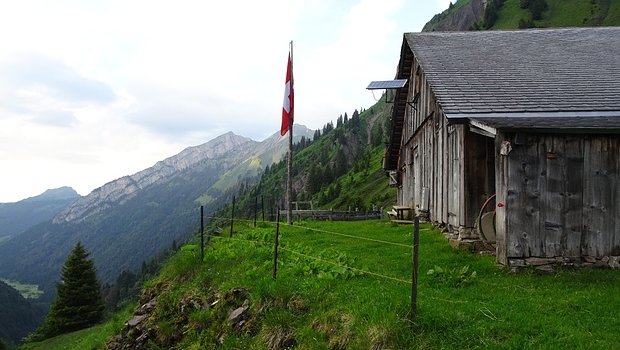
[(91, 91)]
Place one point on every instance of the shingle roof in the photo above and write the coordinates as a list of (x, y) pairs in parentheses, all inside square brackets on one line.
[(522, 71), (549, 79)]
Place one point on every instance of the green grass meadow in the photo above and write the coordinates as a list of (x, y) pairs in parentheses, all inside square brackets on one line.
[(467, 301), (562, 13), (28, 291), (85, 339), (346, 285)]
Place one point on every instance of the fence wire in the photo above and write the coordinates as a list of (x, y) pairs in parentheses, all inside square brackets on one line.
[(345, 267), (318, 259), (353, 236), (325, 231)]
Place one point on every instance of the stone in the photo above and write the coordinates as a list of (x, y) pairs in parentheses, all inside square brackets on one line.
[(136, 320), (146, 308), (614, 262), (539, 261), (600, 263), (516, 262), (589, 259), (467, 233), (467, 245), (237, 314)]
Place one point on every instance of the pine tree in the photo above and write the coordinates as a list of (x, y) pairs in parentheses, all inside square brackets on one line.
[(78, 303)]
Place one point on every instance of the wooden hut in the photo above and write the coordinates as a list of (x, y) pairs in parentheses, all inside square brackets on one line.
[(530, 116)]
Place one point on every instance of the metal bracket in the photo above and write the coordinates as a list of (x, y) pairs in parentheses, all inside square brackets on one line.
[(413, 103)]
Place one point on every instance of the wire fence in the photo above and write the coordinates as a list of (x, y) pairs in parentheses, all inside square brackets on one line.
[(278, 245), (359, 238)]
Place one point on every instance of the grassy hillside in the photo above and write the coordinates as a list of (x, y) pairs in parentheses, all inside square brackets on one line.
[(346, 285), (86, 339), (508, 14), (340, 168), (562, 13)]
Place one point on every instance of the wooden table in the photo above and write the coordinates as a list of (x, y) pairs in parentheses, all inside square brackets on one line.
[(400, 211)]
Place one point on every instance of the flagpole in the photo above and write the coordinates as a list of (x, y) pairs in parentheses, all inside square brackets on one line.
[(289, 182)]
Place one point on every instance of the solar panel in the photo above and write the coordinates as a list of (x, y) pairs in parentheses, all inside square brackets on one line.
[(387, 84)]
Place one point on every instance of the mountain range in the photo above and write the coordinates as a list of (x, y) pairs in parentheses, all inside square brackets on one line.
[(19, 216), (127, 221)]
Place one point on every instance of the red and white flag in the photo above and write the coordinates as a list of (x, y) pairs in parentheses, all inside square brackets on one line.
[(287, 106)]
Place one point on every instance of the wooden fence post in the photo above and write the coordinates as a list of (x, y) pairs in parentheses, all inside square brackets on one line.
[(202, 234), (414, 272), (232, 217), (275, 244)]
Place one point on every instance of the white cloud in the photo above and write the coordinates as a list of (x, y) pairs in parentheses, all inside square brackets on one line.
[(94, 90)]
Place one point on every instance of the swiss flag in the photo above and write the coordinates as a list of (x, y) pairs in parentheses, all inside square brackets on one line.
[(287, 106)]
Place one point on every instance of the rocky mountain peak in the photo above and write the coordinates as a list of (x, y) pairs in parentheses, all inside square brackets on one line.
[(64, 192), (121, 190)]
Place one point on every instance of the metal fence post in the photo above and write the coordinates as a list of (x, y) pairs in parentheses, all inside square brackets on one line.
[(262, 206), (275, 244), (232, 217), (414, 272), (255, 209), (202, 233)]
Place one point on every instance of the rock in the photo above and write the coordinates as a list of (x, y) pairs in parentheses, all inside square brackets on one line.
[(236, 296), (146, 308), (516, 262), (614, 262), (600, 263), (136, 320), (459, 20), (589, 259), (539, 261), (237, 314), (122, 190), (465, 245)]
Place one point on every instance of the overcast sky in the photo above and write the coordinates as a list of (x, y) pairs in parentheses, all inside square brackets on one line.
[(94, 90)]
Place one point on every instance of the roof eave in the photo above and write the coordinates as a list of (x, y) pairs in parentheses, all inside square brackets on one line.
[(392, 153)]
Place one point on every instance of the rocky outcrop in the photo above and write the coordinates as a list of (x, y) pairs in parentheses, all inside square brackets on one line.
[(459, 19), (121, 190), (231, 310)]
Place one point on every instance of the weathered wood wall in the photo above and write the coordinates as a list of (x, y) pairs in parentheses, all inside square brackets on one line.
[(432, 157), (561, 196)]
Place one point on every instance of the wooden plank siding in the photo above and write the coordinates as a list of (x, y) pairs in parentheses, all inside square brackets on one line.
[(561, 196), (432, 157)]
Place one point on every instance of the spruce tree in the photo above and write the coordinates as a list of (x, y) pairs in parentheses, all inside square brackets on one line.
[(78, 302)]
